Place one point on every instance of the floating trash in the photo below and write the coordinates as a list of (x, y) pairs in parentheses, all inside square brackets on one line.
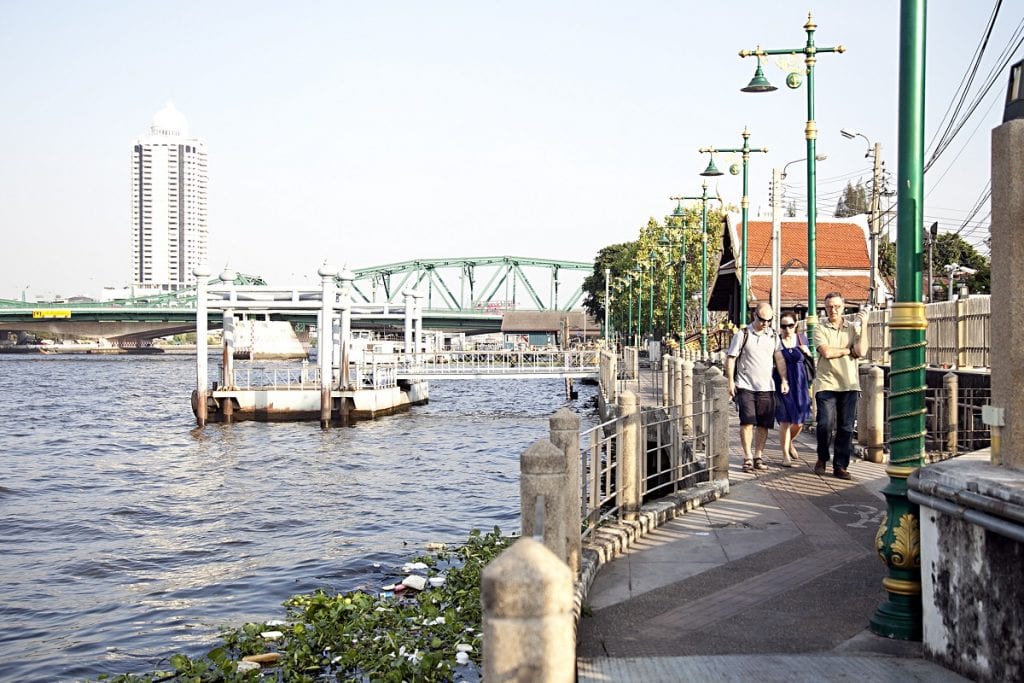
[(245, 667), (265, 658), (388, 587), (271, 635), (436, 546), (275, 622), (436, 581), (413, 566), (461, 658), (400, 587), (415, 582), (463, 647)]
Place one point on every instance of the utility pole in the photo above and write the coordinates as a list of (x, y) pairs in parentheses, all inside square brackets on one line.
[(876, 222), (933, 232), (777, 242)]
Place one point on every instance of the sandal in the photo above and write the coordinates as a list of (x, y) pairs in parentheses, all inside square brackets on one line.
[(759, 464), (748, 466), (786, 461)]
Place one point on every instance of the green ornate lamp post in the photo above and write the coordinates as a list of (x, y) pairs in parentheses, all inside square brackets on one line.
[(670, 244), (638, 275), (711, 170), (704, 199), (760, 84), (898, 538), (629, 328), (650, 303)]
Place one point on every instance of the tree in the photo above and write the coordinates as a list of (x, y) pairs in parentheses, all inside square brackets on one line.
[(853, 201), (791, 209), (949, 249)]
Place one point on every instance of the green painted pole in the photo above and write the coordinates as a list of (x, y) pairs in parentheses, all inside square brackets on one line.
[(650, 304), (639, 304), (682, 286), (898, 538), (629, 330), (704, 273)]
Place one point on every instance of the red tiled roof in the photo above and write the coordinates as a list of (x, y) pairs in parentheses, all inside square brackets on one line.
[(840, 244), (854, 288)]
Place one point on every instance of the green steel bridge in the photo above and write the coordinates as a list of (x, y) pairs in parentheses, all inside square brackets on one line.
[(460, 295)]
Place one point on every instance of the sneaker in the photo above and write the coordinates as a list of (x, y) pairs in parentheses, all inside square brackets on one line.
[(819, 468), (759, 464), (748, 466)]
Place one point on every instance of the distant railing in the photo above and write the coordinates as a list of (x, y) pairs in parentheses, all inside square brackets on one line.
[(492, 362)]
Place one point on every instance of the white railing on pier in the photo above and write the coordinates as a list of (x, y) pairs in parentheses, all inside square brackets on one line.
[(494, 364)]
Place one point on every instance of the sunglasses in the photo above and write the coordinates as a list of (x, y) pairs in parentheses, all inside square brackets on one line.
[(788, 325), (765, 320)]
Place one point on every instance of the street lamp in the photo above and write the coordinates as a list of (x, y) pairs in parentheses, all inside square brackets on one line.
[(704, 199), (670, 245), (777, 178), (793, 80), (875, 151), (711, 170), (638, 275)]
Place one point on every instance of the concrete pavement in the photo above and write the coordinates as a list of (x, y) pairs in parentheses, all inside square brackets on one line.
[(776, 581)]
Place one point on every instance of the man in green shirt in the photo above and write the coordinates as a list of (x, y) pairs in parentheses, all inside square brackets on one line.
[(836, 383)]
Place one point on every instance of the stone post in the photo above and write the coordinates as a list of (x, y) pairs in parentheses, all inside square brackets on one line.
[(874, 410), (629, 457), (346, 277), (698, 397), (1008, 272), (686, 370), (717, 387), (950, 392), (528, 623), (410, 313), (228, 350), (565, 435), (202, 358), (678, 394), (666, 381), (543, 495)]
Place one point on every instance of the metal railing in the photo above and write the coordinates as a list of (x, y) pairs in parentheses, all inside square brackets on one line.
[(492, 362), (951, 433), (600, 476)]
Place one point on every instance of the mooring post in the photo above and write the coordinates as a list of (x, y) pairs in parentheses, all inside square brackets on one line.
[(324, 352), (410, 313), (202, 325), (874, 395), (346, 277), (565, 435), (228, 363), (951, 387), (629, 457), (528, 623), (686, 370), (699, 409), (862, 406)]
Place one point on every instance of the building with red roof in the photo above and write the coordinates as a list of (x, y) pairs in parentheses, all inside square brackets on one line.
[(843, 264)]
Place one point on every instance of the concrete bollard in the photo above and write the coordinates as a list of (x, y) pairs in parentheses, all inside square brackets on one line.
[(565, 435), (666, 379), (717, 388), (528, 624), (677, 392), (698, 398), (874, 411), (686, 369), (629, 457), (543, 495), (951, 390)]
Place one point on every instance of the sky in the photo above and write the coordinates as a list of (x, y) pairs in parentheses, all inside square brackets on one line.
[(365, 133)]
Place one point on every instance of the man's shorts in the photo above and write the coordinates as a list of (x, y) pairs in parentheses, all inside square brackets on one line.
[(756, 407)]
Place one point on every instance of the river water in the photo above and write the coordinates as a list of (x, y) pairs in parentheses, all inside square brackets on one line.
[(127, 535)]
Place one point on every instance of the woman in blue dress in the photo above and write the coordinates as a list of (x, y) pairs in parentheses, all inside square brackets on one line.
[(792, 409)]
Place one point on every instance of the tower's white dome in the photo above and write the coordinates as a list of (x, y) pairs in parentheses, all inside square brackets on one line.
[(169, 121)]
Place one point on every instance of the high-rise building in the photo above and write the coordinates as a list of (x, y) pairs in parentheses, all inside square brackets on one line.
[(168, 203)]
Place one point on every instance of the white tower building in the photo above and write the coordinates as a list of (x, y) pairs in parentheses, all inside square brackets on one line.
[(168, 204)]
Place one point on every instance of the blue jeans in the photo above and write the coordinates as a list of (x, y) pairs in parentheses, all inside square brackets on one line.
[(837, 411)]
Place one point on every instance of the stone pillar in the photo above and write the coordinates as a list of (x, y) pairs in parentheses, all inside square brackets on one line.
[(543, 490), (629, 457), (417, 335), (950, 392), (528, 623), (698, 398), (666, 381), (717, 387), (1008, 275), (678, 394), (202, 357), (228, 351), (565, 435), (346, 277), (874, 411), (324, 352), (410, 314), (686, 369)]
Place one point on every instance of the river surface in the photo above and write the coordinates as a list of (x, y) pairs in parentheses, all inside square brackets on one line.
[(126, 534)]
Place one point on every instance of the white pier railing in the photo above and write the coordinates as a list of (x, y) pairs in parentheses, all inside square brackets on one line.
[(496, 364)]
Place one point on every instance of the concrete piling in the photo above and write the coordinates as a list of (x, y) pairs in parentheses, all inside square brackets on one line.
[(565, 435), (951, 389), (717, 387), (629, 457), (202, 359), (544, 496), (874, 414)]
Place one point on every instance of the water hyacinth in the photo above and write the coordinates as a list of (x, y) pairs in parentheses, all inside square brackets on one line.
[(431, 634)]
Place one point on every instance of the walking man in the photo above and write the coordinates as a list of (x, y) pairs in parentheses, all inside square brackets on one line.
[(748, 368), (836, 384)]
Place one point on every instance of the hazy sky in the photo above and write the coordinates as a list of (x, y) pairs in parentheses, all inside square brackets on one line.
[(373, 132)]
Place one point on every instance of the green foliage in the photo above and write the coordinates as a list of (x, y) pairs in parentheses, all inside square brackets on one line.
[(657, 255), (949, 248), (357, 636)]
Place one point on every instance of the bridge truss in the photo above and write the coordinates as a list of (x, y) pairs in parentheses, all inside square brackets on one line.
[(477, 285)]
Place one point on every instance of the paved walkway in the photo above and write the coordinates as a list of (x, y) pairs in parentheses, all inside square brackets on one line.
[(774, 582)]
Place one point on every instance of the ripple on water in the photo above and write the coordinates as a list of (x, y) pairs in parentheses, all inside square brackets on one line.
[(128, 535)]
